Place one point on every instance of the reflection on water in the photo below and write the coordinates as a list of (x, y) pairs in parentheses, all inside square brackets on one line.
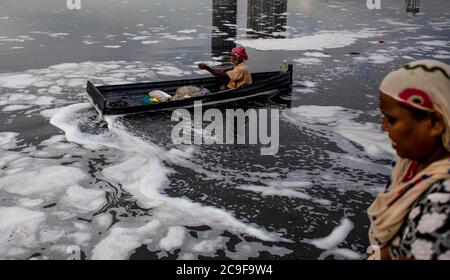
[(266, 17), (412, 6), (224, 27)]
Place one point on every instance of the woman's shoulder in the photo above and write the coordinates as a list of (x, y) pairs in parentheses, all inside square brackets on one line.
[(438, 193), (433, 205), (426, 230)]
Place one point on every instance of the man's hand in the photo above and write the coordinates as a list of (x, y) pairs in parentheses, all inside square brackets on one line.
[(202, 66), (216, 72)]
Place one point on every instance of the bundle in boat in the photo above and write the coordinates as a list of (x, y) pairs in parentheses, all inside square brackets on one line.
[(159, 96)]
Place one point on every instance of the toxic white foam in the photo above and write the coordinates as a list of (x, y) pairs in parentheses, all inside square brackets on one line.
[(8, 140), (285, 188), (18, 230), (316, 54), (143, 174), (336, 237), (176, 37), (319, 41), (174, 238), (68, 192), (121, 241), (171, 71), (32, 183), (187, 31), (46, 182), (331, 242), (17, 81), (376, 58), (308, 61), (436, 43), (340, 120), (50, 87)]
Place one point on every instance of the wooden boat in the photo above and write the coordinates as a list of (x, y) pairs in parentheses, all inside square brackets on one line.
[(129, 98)]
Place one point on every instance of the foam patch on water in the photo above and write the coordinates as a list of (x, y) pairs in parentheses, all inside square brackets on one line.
[(176, 37), (18, 39), (103, 221), (17, 81), (18, 230), (376, 58), (187, 31), (48, 196), (122, 240), (331, 242), (41, 90), (143, 174), (75, 198), (174, 238), (305, 90), (150, 42), (58, 35), (171, 71), (31, 226), (436, 43), (305, 86), (341, 253), (66, 120), (46, 182), (336, 237), (309, 84), (8, 140), (148, 188), (320, 41), (441, 56), (340, 120), (140, 38), (316, 54), (133, 165), (440, 25), (400, 23), (90, 42), (307, 61), (287, 189), (12, 108)]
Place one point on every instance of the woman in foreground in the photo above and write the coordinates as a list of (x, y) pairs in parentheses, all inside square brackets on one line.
[(410, 219)]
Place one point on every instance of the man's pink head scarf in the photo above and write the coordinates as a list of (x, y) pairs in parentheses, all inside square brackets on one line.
[(240, 51)]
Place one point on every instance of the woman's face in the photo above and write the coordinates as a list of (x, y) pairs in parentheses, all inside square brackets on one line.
[(411, 138)]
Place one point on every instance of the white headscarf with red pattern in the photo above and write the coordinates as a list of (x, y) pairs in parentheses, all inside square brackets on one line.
[(425, 85)]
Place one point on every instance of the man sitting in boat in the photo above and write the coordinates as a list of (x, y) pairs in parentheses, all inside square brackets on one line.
[(236, 76)]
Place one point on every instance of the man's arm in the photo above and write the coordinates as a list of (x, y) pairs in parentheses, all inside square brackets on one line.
[(215, 72)]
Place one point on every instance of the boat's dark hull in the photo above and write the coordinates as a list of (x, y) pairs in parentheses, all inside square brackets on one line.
[(125, 99)]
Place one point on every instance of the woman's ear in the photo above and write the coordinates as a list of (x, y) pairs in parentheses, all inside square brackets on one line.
[(437, 124)]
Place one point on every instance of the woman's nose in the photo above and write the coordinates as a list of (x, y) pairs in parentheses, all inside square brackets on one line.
[(384, 125)]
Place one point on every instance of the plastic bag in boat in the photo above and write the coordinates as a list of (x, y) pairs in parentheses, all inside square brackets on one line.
[(158, 96)]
